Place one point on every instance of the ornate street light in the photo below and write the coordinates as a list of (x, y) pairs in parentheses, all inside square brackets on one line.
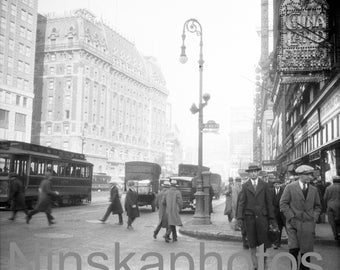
[(201, 214)]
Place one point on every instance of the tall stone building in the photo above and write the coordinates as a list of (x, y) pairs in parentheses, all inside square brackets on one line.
[(18, 22), (96, 94), (303, 76)]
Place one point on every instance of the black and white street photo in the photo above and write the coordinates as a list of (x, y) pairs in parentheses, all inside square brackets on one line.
[(169, 134)]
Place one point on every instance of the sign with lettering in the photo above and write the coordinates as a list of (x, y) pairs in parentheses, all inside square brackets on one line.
[(304, 35)]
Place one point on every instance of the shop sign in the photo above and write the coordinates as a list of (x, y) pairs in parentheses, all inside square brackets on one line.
[(313, 123), (331, 107), (304, 30)]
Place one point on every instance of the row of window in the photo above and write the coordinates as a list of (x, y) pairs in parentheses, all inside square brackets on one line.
[(25, 16), (18, 82), (19, 124), (329, 132), (13, 99), (24, 32), (39, 166)]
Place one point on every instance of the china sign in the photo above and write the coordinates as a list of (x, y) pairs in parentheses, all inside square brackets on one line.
[(304, 35)]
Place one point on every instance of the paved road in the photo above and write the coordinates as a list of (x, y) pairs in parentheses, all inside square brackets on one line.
[(78, 231)]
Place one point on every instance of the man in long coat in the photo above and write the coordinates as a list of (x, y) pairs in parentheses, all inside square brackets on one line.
[(131, 204), (236, 189), (301, 206), (332, 203), (255, 211), (16, 196), (228, 199), (115, 206), (173, 202), (278, 188), (162, 215), (46, 195)]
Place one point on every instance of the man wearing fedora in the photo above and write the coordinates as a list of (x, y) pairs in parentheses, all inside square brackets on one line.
[(115, 206), (173, 203), (163, 218), (301, 206), (332, 203), (255, 211)]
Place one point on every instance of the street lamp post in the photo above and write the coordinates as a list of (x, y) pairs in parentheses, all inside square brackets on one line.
[(201, 215)]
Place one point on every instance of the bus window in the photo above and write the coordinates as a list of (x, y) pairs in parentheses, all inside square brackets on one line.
[(78, 171), (82, 171), (41, 167), (34, 167), (4, 165), (49, 166), (87, 171), (55, 169), (68, 170), (20, 166)]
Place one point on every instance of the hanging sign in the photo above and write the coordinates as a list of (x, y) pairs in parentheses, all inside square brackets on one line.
[(304, 43)]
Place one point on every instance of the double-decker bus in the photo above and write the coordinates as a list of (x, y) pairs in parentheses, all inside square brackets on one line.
[(71, 173)]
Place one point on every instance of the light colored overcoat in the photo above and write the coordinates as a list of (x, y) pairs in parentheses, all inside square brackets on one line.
[(301, 215), (163, 218), (173, 203), (46, 194)]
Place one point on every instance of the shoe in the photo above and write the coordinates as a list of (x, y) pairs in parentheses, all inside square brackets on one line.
[(28, 218), (275, 246), (154, 235), (167, 239), (51, 222), (12, 219), (102, 220), (120, 223), (129, 227), (245, 247), (174, 240)]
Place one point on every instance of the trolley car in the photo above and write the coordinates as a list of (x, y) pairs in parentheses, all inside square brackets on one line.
[(71, 173)]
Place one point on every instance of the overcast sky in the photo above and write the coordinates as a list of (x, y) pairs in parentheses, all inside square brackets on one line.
[(231, 49)]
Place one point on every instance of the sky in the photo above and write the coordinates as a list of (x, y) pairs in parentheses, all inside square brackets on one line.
[(231, 49)]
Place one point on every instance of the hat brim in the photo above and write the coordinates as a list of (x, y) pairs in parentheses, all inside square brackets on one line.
[(252, 170)]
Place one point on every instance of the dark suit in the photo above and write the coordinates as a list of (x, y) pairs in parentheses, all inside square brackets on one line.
[(256, 208), (279, 216), (332, 202), (115, 206)]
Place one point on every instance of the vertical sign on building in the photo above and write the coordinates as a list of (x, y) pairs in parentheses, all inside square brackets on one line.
[(304, 35)]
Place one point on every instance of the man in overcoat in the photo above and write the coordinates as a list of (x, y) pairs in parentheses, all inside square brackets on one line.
[(115, 206), (46, 196), (131, 204), (301, 206), (255, 211), (332, 203), (162, 215), (16, 196), (228, 199), (278, 188), (173, 202)]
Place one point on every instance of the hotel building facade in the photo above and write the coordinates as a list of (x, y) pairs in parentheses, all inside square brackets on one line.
[(96, 94)]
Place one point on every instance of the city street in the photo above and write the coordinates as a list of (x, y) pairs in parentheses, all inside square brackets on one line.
[(78, 231)]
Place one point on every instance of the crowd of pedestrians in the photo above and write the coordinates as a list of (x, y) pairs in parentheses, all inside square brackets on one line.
[(264, 208)]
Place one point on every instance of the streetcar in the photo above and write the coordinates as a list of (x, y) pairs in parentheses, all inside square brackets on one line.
[(71, 173)]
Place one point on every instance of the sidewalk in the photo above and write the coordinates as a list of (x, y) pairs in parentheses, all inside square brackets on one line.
[(220, 229)]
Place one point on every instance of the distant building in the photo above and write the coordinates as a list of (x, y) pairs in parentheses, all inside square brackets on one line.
[(17, 49), (240, 139), (96, 94)]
